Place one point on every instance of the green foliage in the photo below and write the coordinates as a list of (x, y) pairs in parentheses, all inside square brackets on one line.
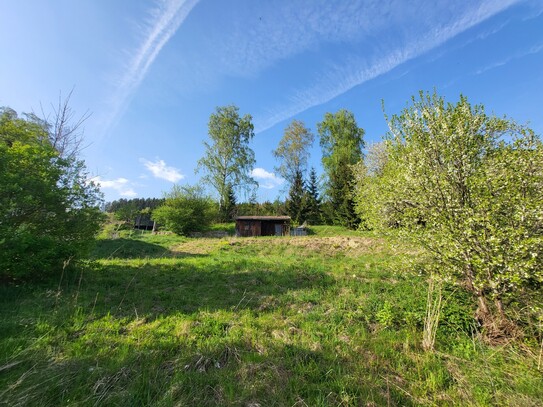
[(48, 210), (296, 201), (293, 151), (137, 203), (313, 200), (186, 209), (266, 208), (227, 211), (469, 188), (228, 159), (385, 316), (341, 141)]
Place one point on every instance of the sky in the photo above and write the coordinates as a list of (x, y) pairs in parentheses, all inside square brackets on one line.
[(151, 72)]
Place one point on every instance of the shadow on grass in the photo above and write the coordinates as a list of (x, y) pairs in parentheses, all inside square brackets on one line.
[(128, 249), (193, 285)]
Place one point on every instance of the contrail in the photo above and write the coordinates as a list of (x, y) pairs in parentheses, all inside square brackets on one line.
[(168, 17)]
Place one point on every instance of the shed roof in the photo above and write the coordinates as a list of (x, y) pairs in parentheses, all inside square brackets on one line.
[(263, 218)]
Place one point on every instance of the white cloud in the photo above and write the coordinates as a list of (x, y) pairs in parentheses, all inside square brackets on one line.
[(267, 180), (121, 185), (159, 169)]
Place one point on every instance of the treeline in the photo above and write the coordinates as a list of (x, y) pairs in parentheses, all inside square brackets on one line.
[(135, 204), (228, 164)]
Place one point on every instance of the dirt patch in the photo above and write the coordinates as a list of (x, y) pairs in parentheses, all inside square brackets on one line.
[(347, 245), (352, 246), (197, 246)]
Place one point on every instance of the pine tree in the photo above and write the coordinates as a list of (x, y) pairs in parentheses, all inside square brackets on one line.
[(313, 201), (296, 208), (227, 211)]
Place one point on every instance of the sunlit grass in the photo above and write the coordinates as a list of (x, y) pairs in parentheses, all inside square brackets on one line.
[(163, 320)]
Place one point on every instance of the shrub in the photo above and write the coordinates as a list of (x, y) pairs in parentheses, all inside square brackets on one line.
[(48, 211), (186, 210), (469, 188)]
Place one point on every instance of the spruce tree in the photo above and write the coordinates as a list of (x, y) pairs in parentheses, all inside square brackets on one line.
[(313, 201), (296, 199), (227, 211)]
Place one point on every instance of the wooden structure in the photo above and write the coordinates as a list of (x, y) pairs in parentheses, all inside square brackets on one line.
[(144, 222), (247, 226)]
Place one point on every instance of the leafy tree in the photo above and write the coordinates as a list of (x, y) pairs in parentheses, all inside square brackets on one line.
[(228, 159), (367, 173), (341, 141), (313, 200), (127, 212), (49, 212), (293, 151), (186, 209), (469, 188), (295, 204)]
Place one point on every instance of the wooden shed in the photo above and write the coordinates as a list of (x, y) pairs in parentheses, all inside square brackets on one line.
[(247, 226)]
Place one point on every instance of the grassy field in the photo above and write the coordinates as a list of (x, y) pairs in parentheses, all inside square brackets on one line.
[(331, 319)]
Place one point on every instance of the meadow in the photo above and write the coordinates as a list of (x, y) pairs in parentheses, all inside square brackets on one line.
[(330, 319)]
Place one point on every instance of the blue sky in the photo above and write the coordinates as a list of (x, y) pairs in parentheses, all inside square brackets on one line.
[(152, 71)]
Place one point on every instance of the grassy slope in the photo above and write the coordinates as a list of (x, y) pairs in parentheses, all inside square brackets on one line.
[(321, 320)]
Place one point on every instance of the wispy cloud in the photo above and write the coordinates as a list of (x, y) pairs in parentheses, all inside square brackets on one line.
[(532, 50), (419, 29), (166, 18), (120, 185), (267, 180), (159, 169)]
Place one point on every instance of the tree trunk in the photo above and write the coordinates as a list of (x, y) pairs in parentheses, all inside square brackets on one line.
[(499, 306), (482, 312)]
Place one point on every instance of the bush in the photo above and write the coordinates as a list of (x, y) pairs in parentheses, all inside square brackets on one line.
[(186, 210), (48, 211), (469, 188)]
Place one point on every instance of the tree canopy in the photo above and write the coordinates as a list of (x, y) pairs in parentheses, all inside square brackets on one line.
[(341, 141), (228, 159), (293, 151)]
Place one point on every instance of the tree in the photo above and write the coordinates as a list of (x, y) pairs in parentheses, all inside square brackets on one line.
[(312, 200), (228, 210), (228, 159), (186, 209), (296, 205), (293, 151), (366, 187), (49, 211), (341, 141), (469, 188)]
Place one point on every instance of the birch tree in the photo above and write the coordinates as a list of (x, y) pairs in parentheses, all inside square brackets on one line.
[(228, 159)]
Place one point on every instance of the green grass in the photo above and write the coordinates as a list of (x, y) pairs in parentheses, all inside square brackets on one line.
[(323, 320)]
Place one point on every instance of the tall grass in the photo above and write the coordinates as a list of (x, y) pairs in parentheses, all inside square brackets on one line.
[(316, 321)]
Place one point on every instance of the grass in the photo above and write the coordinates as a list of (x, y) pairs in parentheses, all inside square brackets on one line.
[(326, 320)]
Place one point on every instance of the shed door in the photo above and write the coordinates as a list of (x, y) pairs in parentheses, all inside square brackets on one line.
[(278, 229)]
